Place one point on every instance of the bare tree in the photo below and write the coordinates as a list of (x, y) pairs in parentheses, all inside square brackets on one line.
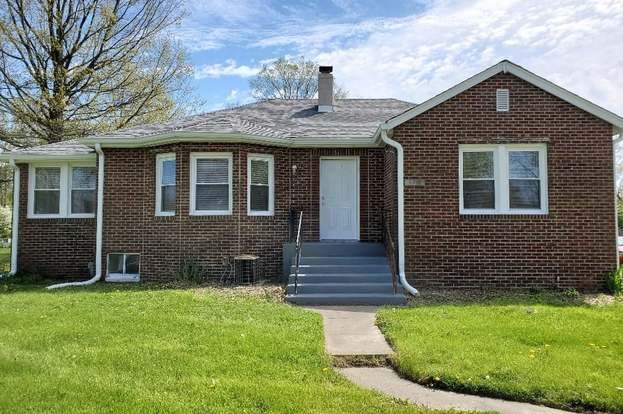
[(289, 79), (73, 67)]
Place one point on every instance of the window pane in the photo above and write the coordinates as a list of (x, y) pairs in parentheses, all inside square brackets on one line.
[(523, 164), (259, 172), (213, 171), (47, 202), (83, 177), (478, 164), (168, 172), (259, 198), (168, 198), (115, 263), (212, 197), (525, 194), (48, 178), (479, 194), (82, 201), (132, 264)]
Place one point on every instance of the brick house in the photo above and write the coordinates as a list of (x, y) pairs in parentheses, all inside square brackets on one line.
[(503, 181)]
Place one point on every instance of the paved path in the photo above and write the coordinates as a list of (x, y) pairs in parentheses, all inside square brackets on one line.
[(351, 330)]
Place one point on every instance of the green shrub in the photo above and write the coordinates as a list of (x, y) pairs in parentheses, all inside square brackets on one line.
[(190, 271), (614, 281), (5, 222)]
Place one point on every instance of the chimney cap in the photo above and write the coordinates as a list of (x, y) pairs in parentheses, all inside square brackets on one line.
[(325, 69)]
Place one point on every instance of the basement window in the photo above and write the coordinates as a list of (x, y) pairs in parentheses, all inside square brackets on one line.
[(503, 179), (123, 267)]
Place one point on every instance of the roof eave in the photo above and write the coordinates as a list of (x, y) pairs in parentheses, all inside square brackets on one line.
[(8, 156), (201, 137)]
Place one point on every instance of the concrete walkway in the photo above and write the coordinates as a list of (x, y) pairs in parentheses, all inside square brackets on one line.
[(351, 331)]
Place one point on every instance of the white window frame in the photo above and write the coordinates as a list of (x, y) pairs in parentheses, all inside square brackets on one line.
[(160, 159), (194, 156), (123, 277), (70, 184), (501, 177), (271, 184), (65, 189)]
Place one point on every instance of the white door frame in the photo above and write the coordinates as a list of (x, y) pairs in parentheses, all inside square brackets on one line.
[(358, 202)]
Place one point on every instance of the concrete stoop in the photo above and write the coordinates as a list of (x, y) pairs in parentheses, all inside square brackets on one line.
[(333, 273)]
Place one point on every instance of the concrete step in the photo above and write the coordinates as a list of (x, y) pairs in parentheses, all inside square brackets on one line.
[(344, 288), (343, 260), (334, 248), (343, 278), (310, 299), (342, 268)]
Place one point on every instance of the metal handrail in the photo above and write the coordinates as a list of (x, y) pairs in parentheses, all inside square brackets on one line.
[(392, 258), (299, 244)]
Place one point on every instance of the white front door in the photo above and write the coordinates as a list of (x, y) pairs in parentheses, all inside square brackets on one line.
[(339, 198)]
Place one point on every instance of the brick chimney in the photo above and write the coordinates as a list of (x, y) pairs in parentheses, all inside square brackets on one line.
[(325, 89)]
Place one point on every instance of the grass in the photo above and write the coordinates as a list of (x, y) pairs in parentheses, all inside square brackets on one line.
[(134, 350), (544, 349)]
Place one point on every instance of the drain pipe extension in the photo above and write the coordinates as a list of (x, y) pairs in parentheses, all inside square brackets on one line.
[(15, 223), (401, 212), (99, 227)]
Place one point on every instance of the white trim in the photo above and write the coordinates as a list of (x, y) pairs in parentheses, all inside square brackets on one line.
[(501, 178), (15, 217), (400, 176), (356, 158), (201, 137), (194, 156), (616, 213), (123, 277), (509, 67), (160, 158), (8, 155), (64, 190), (271, 184)]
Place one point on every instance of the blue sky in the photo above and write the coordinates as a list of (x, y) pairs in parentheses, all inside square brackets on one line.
[(410, 49)]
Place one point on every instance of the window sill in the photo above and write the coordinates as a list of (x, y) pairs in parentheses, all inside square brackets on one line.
[(504, 216), (260, 214), (120, 278), (210, 213)]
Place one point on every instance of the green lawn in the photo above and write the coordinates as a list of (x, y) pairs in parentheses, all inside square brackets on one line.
[(136, 350), (541, 349)]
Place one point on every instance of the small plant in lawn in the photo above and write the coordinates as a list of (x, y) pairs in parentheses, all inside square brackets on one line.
[(571, 293), (190, 271), (614, 281)]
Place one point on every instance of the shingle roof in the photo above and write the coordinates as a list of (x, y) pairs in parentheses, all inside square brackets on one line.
[(281, 118), (276, 118), (71, 147)]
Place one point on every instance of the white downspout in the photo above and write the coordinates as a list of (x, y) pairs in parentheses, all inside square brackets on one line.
[(616, 141), (401, 211), (99, 226), (15, 223)]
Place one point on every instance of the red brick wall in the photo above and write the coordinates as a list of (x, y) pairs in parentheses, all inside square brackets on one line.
[(572, 246), (57, 248), (131, 226)]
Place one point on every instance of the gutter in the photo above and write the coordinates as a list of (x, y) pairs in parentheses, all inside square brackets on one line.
[(99, 229), (15, 218), (401, 212)]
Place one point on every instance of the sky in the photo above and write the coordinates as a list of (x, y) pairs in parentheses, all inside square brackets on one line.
[(409, 49)]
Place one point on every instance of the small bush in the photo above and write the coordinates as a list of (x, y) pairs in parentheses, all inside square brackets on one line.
[(614, 281), (190, 271)]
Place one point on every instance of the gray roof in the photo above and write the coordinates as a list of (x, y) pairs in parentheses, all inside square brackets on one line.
[(71, 147), (282, 118), (275, 118)]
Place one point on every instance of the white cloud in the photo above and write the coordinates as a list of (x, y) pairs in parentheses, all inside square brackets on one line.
[(229, 68), (576, 44)]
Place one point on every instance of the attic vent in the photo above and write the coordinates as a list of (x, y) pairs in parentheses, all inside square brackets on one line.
[(502, 100)]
